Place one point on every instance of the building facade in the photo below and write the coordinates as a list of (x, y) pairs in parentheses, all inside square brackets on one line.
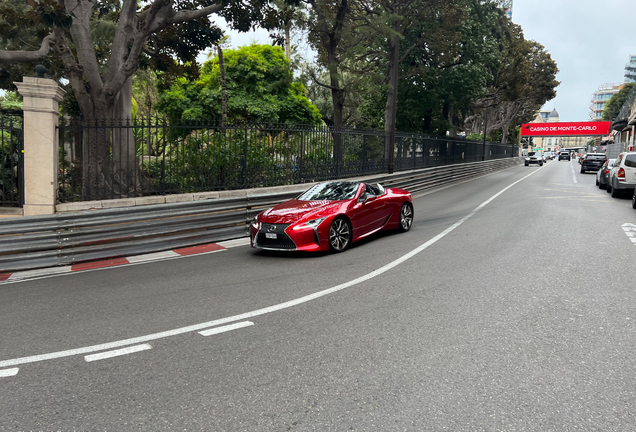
[(600, 98), (630, 70), (546, 143)]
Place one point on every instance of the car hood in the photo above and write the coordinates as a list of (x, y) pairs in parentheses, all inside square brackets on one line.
[(292, 211)]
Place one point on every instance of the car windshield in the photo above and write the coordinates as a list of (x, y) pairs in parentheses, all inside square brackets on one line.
[(332, 191), (533, 154)]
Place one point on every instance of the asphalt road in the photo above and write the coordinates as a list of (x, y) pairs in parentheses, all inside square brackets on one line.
[(509, 306)]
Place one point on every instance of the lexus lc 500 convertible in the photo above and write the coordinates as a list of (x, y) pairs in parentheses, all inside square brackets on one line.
[(331, 216)]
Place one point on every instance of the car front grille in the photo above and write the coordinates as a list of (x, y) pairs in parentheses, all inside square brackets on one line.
[(282, 240)]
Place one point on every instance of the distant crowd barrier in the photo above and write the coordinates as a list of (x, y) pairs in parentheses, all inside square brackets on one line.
[(127, 227)]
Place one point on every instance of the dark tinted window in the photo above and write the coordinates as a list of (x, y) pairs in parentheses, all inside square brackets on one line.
[(332, 191), (630, 160), (596, 156)]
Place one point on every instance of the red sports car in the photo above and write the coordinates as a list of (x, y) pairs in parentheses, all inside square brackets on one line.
[(331, 216)]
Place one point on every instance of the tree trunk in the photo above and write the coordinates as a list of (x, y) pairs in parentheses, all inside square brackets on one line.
[(338, 99), (287, 42), (390, 111), (223, 87)]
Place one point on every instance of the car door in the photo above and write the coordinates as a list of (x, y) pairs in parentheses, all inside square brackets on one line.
[(369, 213)]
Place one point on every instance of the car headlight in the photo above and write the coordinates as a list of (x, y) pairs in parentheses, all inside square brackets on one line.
[(312, 223), (255, 223), (527, 159)]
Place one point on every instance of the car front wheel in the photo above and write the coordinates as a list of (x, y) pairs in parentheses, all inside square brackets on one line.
[(406, 217), (339, 235)]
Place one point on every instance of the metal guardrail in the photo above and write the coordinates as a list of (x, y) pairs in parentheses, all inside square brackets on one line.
[(70, 238)]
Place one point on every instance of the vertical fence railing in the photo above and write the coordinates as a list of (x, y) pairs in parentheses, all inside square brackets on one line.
[(11, 159), (106, 160)]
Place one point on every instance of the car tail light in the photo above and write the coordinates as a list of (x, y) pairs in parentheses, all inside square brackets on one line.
[(621, 174), (606, 171)]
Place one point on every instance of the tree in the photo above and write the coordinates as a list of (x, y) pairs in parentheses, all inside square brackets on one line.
[(260, 88), (522, 81), (614, 105), (99, 64)]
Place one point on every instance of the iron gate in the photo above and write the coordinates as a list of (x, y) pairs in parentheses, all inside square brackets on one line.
[(11, 159)]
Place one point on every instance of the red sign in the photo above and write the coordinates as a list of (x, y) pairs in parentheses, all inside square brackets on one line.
[(566, 129)]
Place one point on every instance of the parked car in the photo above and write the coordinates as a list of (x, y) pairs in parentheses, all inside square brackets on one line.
[(592, 162), (622, 176), (564, 155), (331, 216), (602, 175), (534, 158)]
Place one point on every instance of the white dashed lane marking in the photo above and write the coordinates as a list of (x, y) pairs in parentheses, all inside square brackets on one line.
[(223, 329), (9, 372), (116, 353)]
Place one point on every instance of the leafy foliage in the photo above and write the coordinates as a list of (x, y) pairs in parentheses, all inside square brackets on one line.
[(260, 88), (614, 105)]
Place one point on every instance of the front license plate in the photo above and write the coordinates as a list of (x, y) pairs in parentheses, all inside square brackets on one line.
[(271, 236)]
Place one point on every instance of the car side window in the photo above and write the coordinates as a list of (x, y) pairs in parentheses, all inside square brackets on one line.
[(371, 190), (630, 161)]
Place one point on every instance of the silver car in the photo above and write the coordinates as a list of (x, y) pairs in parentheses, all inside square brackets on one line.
[(534, 158)]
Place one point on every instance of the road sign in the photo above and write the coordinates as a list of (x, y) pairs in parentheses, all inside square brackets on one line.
[(566, 129)]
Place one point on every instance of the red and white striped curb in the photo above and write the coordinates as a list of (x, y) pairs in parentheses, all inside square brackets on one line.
[(91, 265)]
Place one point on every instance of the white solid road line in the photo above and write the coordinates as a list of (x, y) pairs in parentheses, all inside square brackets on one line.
[(573, 173), (119, 352), (9, 372), (258, 312), (226, 328)]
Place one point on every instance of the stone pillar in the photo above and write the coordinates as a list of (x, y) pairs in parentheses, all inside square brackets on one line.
[(41, 117)]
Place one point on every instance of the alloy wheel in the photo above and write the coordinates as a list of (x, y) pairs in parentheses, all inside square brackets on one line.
[(406, 217), (339, 235)]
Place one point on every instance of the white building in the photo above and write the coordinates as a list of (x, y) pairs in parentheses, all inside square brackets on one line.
[(600, 98), (630, 70)]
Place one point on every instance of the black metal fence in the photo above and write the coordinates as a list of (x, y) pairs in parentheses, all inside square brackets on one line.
[(11, 160), (106, 160)]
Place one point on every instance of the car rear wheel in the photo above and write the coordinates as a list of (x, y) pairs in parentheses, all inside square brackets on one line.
[(339, 235), (608, 189), (582, 170), (598, 184), (406, 217), (634, 200), (614, 192)]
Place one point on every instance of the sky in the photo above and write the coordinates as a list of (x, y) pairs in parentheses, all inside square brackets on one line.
[(590, 40)]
